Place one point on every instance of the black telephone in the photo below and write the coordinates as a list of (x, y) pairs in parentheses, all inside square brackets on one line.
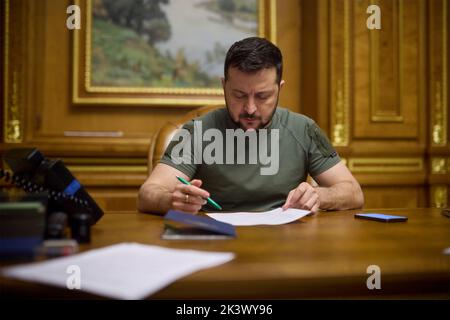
[(36, 174)]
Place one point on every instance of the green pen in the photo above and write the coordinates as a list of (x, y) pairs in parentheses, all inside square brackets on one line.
[(209, 200)]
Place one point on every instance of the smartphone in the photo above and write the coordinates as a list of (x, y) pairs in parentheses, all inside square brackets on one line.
[(380, 217)]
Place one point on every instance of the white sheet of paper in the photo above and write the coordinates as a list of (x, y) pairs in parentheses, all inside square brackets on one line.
[(122, 271), (273, 217)]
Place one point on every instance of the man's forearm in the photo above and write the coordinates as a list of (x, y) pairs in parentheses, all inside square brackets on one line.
[(154, 198), (342, 196)]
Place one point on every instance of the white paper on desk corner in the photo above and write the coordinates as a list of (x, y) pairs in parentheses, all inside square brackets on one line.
[(121, 271), (273, 217)]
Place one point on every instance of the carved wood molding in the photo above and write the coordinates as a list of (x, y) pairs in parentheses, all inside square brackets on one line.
[(12, 108), (439, 196), (438, 79), (340, 19)]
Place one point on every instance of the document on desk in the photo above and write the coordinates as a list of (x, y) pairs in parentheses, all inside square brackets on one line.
[(122, 271), (273, 217)]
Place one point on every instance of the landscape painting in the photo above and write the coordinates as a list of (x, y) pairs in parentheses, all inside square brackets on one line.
[(165, 44)]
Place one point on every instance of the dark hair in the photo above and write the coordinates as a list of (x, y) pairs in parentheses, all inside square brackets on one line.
[(253, 54)]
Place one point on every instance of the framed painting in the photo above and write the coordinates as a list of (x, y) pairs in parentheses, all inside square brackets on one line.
[(160, 52)]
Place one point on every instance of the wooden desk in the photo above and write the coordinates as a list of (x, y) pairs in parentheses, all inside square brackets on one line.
[(321, 256)]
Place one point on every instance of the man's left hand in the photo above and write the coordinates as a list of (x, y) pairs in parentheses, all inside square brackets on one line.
[(303, 197)]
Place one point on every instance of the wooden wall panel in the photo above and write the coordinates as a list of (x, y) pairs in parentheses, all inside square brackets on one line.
[(115, 199), (372, 94), (394, 197), (288, 34), (381, 95), (386, 73)]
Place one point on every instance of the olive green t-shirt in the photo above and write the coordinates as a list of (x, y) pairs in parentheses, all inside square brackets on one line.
[(236, 179)]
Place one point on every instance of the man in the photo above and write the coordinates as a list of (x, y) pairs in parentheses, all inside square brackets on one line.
[(232, 176)]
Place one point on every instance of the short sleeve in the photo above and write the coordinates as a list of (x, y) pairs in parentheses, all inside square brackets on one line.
[(321, 154), (179, 153)]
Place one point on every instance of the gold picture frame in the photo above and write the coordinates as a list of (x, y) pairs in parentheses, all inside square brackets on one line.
[(84, 92)]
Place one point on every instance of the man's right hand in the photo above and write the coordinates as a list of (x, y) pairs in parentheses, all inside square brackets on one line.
[(189, 198)]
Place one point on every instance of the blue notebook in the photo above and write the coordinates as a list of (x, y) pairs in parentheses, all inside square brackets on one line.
[(180, 225)]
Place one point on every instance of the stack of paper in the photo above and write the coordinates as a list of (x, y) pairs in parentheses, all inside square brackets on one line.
[(122, 271)]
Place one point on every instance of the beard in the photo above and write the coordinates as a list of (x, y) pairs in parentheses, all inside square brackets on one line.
[(245, 115)]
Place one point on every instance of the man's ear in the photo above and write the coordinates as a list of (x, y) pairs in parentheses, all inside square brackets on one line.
[(282, 82), (223, 82)]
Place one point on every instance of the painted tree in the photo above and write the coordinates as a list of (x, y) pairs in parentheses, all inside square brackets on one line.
[(145, 17)]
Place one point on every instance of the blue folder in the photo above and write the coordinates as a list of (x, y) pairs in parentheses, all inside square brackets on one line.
[(180, 225)]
